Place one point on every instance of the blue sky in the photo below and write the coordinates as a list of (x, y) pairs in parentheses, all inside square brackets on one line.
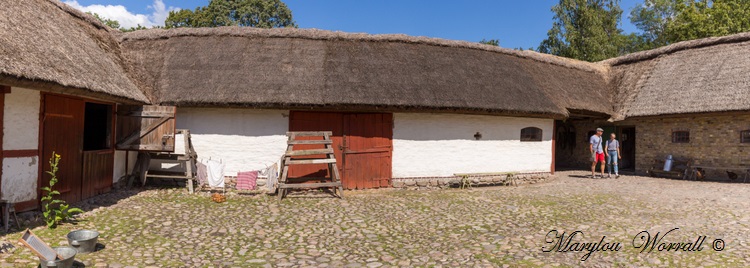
[(515, 23)]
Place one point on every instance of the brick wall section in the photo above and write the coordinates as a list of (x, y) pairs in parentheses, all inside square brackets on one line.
[(714, 141), (577, 157)]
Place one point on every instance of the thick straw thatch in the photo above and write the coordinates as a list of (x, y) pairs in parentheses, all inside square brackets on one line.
[(47, 45), (706, 75), (295, 68)]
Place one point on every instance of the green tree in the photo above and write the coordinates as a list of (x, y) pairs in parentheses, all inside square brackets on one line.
[(585, 30), (491, 42), (664, 22), (652, 18), (251, 13), (706, 18), (111, 23)]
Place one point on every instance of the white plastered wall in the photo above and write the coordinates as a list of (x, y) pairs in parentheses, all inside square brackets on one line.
[(21, 132), (119, 167), (244, 139), (433, 145)]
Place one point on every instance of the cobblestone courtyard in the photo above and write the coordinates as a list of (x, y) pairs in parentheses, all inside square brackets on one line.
[(493, 226)]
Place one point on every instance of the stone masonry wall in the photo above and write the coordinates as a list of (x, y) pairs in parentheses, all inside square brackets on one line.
[(483, 180), (577, 156), (714, 140)]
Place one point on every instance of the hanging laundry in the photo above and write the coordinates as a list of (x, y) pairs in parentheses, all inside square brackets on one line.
[(247, 180), (202, 173), (272, 177), (216, 173)]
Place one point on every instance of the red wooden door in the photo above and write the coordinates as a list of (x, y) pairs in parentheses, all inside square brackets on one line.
[(367, 150), (313, 121), (362, 144), (63, 134)]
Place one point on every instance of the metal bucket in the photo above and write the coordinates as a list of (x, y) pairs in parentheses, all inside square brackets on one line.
[(68, 255), (83, 240)]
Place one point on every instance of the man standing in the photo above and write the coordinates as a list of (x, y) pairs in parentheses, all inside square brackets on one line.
[(597, 153)]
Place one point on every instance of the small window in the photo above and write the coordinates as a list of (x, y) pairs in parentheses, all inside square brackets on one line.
[(745, 136), (681, 137), (531, 134)]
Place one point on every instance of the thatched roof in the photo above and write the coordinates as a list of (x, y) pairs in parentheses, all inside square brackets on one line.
[(294, 68), (47, 45), (699, 76)]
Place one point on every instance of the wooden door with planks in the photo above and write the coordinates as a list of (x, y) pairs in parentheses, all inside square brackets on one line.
[(63, 134), (368, 146), (362, 144)]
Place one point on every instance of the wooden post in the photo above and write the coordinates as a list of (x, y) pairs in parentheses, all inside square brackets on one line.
[(554, 144)]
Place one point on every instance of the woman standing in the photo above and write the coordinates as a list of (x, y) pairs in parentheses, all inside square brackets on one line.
[(612, 149)]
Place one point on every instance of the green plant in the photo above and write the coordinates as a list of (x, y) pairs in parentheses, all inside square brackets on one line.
[(53, 209)]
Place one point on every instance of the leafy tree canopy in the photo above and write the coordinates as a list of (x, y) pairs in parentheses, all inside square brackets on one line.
[(586, 30), (491, 42), (252, 13), (114, 24), (664, 22)]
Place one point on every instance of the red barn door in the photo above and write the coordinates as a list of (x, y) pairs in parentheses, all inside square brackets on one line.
[(367, 150), (362, 143)]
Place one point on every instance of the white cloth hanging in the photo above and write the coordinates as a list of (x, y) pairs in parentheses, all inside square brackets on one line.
[(215, 173), (272, 176)]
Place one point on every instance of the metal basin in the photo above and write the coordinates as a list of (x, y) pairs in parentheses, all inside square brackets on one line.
[(83, 240), (68, 255)]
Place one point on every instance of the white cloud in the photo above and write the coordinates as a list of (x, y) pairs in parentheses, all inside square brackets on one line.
[(126, 18)]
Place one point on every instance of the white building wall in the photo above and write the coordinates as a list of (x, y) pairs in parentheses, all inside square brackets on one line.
[(119, 167), (244, 139), (431, 145), (21, 132)]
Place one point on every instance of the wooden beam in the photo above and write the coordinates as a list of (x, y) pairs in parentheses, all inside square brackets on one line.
[(309, 142), (311, 161), (20, 153), (143, 132), (155, 114), (310, 133), (309, 185), (5, 89), (309, 152)]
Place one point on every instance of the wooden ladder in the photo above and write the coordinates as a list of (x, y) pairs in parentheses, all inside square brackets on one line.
[(330, 159)]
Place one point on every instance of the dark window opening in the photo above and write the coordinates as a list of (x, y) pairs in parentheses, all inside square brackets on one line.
[(681, 137), (531, 134), (97, 127), (745, 136)]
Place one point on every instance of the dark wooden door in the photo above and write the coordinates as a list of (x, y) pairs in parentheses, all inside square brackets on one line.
[(367, 150), (63, 134), (309, 121), (97, 172), (627, 143), (362, 143)]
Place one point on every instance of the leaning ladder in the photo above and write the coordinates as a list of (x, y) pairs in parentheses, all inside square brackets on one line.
[(330, 159)]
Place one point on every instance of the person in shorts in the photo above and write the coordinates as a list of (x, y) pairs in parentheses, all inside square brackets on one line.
[(612, 149), (597, 152)]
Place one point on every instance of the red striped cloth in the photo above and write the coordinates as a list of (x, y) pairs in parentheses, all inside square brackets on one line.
[(246, 180)]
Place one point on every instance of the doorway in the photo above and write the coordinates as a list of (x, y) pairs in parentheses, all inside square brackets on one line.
[(80, 131), (627, 139), (362, 145)]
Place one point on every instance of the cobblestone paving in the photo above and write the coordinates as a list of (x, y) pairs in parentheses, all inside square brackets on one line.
[(497, 226)]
